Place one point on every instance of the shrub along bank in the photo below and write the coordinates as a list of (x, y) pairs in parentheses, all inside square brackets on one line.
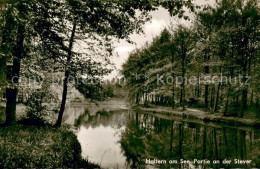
[(40, 147)]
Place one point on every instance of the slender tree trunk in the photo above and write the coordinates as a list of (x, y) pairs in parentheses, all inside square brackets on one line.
[(66, 79), (252, 98), (11, 93), (206, 96), (173, 98), (198, 88), (217, 98), (137, 100), (206, 68), (173, 87), (184, 96), (227, 101), (212, 99), (244, 102), (145, 99), (245, 62), (182, 99), (136, 120)]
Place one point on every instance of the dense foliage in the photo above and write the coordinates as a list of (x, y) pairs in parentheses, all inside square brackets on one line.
[(73, 36), (212, 64), (94, 90)]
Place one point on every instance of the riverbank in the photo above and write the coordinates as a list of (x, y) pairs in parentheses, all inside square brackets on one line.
[(24, 146), (40, 147), (200, 115)]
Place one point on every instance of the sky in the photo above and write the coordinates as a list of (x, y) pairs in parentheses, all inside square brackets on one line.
[(160, 20)]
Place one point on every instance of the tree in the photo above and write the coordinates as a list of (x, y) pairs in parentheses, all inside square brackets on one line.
[(57, 26), (182, 40), (140, 69), (235, 27), (12, 47), (94, 23), (18, 42), (225, 40)]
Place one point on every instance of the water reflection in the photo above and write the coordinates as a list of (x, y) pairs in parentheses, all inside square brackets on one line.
[(99, 136), (149, 137), (124, 139)]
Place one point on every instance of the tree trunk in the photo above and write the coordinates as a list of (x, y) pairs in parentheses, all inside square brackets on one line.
[(173, 99), (11, 93), (11, 106), (173, 96), (226, 106), (245, 61), (173, 87), (66, 79), (212, 99), (137, 98), (252, 98), (198, 88), (217, 98), (244, 102), (182, 99), (206, 96), (145, 99), (136, 120), (206, 68), (64, 98)]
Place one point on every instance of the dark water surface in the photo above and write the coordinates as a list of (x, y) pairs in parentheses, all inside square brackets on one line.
[(125, 139)]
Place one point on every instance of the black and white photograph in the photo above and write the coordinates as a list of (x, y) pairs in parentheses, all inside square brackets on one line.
[(130, 84)]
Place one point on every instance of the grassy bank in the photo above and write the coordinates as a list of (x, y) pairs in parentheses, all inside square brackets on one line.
[(40, 147), (201, 115)]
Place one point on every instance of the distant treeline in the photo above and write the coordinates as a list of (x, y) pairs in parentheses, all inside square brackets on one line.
[(213, 64)]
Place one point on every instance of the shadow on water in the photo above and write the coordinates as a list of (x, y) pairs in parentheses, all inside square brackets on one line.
[(124, 139)]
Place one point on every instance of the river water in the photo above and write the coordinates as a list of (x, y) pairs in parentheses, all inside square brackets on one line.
[(113, 136)]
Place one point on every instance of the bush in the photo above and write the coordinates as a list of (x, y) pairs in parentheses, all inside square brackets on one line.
[(36, 111), (39, 147)]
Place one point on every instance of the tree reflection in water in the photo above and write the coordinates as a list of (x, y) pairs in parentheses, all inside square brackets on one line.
[(149, 137)]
